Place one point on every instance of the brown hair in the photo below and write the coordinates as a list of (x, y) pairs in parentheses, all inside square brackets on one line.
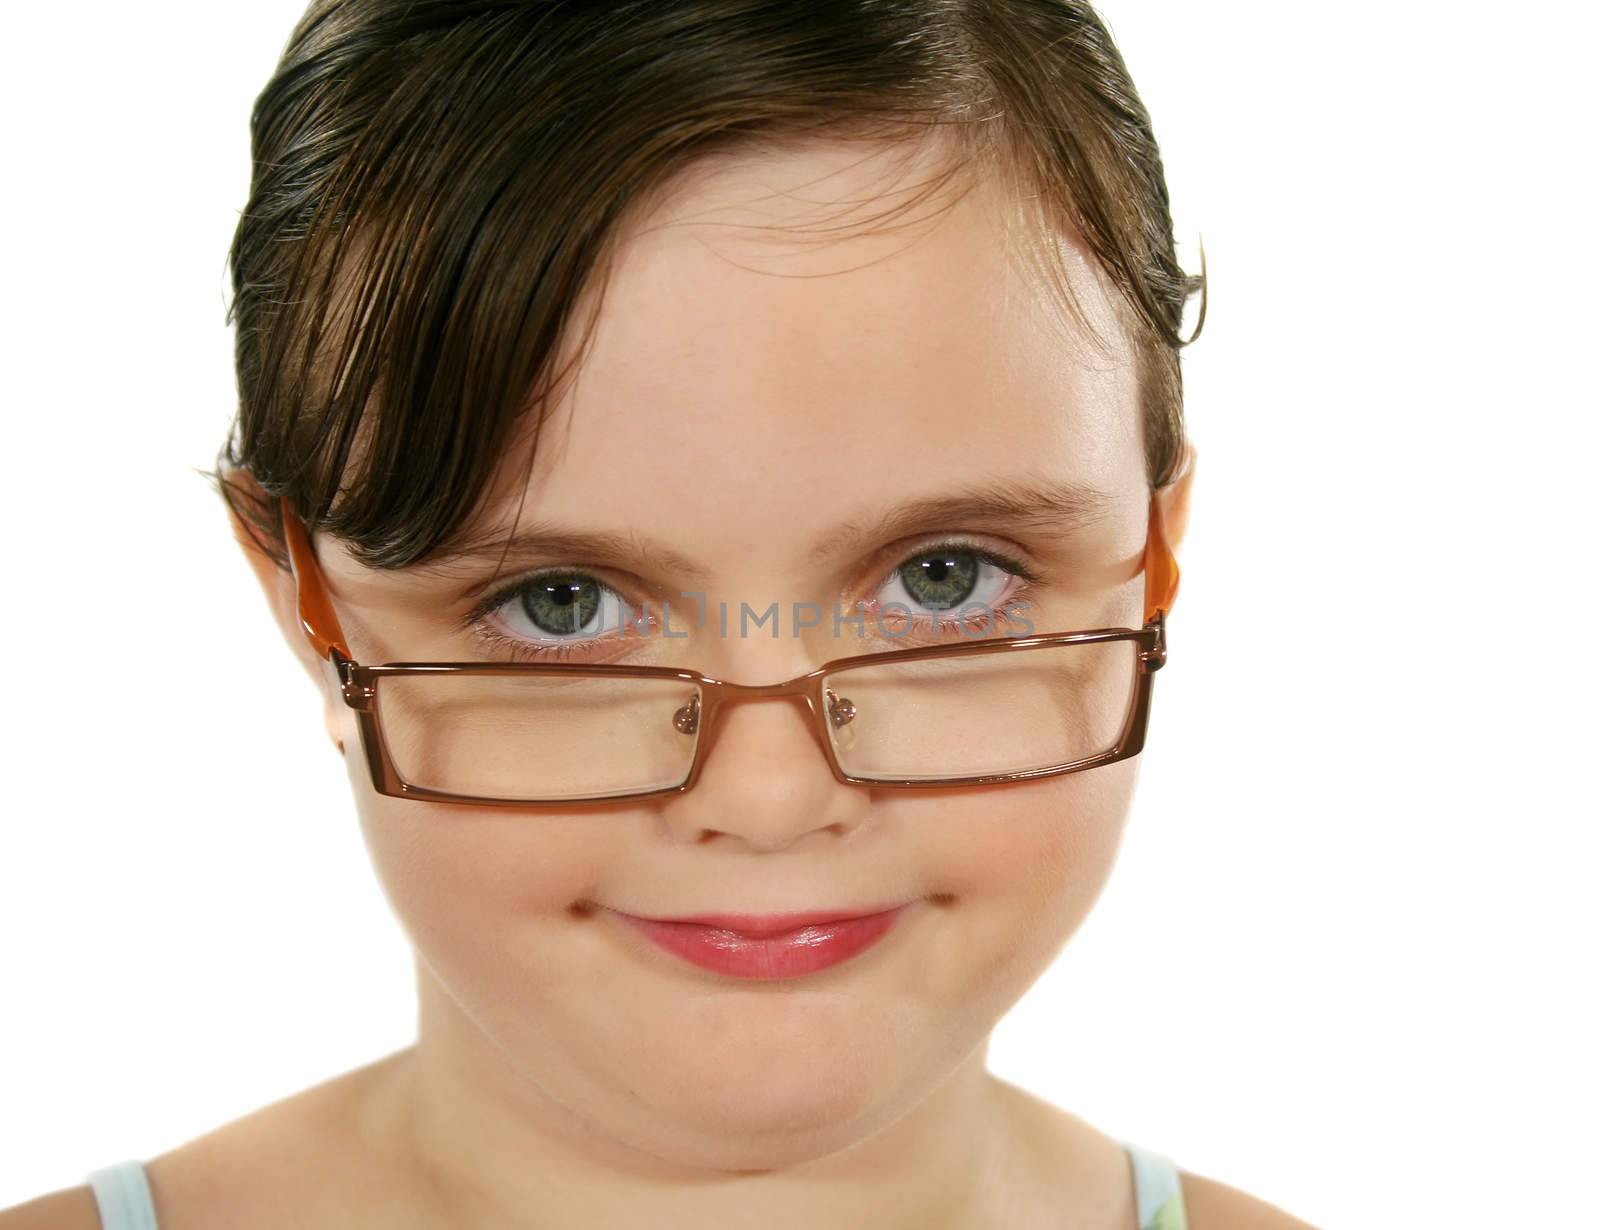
[(436, 181)]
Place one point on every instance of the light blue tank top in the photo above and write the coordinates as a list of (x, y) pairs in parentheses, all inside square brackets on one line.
[(123, 1193)]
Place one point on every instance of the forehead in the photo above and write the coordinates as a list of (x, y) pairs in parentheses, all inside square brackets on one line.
[(795, 339)]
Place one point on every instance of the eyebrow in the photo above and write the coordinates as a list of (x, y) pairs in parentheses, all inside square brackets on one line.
[(1052, 507), (1040, 507), (544, 541)]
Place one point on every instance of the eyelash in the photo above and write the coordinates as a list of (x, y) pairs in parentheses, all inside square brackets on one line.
[(476, 620)]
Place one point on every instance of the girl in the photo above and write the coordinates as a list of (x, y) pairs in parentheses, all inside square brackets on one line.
[(721, 462)]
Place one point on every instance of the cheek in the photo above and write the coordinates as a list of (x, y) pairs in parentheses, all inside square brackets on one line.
[(1051, 838), (464, 880), (1027, 863), (1023, 865), (483, 895)]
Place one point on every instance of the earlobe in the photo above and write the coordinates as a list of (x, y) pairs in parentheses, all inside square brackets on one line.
[(1174, 497), (277, 585)]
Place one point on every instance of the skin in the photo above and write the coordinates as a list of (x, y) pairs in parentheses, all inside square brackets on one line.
[(747, 391)]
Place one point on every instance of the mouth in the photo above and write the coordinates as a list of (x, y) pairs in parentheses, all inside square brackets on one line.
[(761, 925), (766, 946)]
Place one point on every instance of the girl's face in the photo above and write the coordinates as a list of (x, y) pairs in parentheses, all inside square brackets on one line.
[(755, 390)]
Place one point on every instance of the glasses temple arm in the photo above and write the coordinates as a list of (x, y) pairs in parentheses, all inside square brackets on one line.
[(317, 619), (1160, 565)]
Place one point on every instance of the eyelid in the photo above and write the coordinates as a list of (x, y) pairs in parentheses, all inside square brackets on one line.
[(899, 553), (503, 593), (959, 541)]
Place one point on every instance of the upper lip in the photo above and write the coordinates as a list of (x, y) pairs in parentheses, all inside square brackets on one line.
[(772, 924)]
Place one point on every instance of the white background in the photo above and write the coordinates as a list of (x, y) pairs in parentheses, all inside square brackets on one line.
[(1346, 958)]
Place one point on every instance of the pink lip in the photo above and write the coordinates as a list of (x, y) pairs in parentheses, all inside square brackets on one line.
[(767, 946)]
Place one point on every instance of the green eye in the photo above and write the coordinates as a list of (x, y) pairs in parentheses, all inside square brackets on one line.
[(940, 580), (561, 604), (951, 581)]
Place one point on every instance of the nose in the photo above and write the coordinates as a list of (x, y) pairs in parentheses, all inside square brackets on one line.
[(765, 780)]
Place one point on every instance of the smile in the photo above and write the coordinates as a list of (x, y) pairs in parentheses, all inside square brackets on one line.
[(774, 946)]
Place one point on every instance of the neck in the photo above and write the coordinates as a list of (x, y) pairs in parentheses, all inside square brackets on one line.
[(487, 1146)]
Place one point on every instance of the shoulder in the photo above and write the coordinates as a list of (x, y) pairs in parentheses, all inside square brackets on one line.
[(322, 1133), (1089, 1169), (325, 1135), (72, 1208), (1211, 1205)]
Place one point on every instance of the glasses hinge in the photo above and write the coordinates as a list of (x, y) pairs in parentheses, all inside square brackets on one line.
[(356, 694), (1155, 657)]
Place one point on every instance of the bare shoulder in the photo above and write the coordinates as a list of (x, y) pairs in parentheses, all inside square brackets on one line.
[(1211, 1205), (233, 1175), (71, 1208), (1093, 1169), (326, 1136)]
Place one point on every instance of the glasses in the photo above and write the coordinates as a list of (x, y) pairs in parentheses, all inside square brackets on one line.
[(1003, 709)]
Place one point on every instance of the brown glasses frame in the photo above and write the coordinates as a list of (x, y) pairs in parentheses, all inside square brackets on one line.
[(358, 683)]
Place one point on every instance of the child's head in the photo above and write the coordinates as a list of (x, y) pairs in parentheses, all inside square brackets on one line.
[(770, 303)]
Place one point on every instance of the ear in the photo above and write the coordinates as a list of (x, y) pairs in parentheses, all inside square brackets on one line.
[(1174, 498), (277, 584)]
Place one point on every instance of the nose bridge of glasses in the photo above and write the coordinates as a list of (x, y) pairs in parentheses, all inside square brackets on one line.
[(721, 694), (800, 685), (723, 700)]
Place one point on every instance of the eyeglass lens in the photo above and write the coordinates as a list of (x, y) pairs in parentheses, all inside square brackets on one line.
[(553, 737)]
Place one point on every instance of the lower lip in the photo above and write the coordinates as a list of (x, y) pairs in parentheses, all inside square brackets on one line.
[(787, 954)]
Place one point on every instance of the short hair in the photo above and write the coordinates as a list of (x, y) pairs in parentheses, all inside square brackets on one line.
[(435, 182)]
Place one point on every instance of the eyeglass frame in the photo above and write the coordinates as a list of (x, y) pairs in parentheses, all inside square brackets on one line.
[(358, 683)]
